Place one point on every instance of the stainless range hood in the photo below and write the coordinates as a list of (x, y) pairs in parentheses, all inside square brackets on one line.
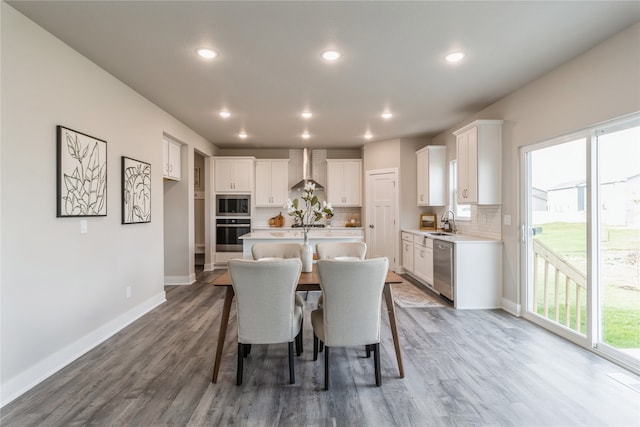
[(306, 172)]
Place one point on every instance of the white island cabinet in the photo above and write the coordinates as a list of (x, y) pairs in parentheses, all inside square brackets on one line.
[(297, 236)]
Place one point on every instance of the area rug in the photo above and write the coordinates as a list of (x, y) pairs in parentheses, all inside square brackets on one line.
[(407, 295)]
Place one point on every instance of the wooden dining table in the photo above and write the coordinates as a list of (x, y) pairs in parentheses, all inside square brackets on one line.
[(306, 282)]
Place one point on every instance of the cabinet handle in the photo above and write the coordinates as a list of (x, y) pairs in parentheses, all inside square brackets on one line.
[(421, 254), (422, 197)]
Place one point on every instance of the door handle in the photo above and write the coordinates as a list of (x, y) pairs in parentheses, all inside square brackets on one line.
[(370, 225)]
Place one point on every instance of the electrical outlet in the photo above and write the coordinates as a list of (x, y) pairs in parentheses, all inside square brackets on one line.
[(84, 226), (507, 220), (128, 292)]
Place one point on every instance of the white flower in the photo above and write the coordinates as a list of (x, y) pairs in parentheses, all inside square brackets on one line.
[(311, 210)]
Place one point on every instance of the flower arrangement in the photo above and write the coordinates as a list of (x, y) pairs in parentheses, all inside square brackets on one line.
[(310, 210)]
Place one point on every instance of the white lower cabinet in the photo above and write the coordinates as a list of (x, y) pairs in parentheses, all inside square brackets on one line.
[(423, 258), (477, 275), (477, 264), (407, 252), (417, 256)]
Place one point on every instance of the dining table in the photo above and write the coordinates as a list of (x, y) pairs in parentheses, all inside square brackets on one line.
[(307, 282)]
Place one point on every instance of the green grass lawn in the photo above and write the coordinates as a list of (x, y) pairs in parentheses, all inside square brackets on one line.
[(620, 305)]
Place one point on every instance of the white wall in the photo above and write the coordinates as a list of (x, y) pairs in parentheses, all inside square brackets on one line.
[(63, 292), (601, 84)]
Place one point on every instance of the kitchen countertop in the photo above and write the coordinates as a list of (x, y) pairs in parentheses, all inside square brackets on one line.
[(316, 234), (266, 227), (452, 237)]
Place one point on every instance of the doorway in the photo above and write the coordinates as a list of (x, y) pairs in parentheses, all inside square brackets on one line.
[(581, 237), (382, 210)]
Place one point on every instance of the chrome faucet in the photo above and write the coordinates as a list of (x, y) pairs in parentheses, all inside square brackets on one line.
[(450, 220)]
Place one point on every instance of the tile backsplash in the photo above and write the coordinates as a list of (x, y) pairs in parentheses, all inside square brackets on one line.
[(485, 221)]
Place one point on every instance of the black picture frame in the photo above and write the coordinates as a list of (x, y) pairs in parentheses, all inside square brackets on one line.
[(136, 191), (81, 174)]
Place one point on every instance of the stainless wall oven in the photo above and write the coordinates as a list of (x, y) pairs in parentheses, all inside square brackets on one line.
[(233, 205), (228, 232)]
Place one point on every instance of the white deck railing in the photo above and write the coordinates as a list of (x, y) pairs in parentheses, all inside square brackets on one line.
[(557, 267)]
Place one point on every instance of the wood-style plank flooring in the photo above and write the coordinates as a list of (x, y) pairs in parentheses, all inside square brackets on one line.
[(479, 367)]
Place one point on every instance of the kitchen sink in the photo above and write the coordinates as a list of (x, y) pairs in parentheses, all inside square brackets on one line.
[(439, 234)]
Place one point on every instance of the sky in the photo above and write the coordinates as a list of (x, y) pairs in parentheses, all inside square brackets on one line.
[(619, 157)]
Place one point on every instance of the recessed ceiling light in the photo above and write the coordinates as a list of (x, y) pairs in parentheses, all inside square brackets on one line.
[(224, 114), (242, 135), (368, 135), (331, 55), (306, 114), (387, 115), (206, 53), (455, 56), (306, 135)]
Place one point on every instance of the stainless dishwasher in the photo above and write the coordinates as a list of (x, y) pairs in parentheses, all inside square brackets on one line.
[(443, 268)]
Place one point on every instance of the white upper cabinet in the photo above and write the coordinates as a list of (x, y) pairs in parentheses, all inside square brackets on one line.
[(479, 158), (272, 182), (233, 174), (344, 182), (171, 159), (432, 176)]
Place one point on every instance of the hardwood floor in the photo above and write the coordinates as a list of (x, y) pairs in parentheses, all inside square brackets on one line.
[(479, 367)]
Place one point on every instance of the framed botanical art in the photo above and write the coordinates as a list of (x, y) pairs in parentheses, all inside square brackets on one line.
[(136, 191), (81, 181)]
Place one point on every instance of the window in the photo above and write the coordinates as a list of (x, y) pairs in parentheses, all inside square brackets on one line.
[(463, 212)]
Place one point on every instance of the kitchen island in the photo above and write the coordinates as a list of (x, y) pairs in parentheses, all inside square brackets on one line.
[(295, 235)]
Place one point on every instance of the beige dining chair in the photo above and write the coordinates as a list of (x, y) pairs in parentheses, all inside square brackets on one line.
[(265, 305), (267, 251), (350, 315), (341, 250), (275, 250)]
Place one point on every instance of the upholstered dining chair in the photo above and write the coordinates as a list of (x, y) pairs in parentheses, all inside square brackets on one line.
[(265, 305), (275, 250), (350, 315), (341, 250), (267, 251)]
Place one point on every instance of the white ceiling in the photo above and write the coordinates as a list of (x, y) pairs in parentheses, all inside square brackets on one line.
[(269, 68)]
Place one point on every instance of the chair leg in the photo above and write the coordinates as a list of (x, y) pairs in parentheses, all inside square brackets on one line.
[(326, 368), (247, 350), (299, 347), (321, 346), (292, 373), (368, 348), (240, 357), (376, 363), (315, 347)]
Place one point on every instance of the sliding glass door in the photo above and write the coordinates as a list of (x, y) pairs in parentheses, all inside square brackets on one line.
[(618, 159), (581, 237)]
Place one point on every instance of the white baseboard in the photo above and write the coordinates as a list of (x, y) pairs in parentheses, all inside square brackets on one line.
[(209, 267), (511, 307), (180, 280), (28, 379)]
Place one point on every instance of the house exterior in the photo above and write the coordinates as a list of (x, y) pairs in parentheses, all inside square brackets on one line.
[(63, 291)]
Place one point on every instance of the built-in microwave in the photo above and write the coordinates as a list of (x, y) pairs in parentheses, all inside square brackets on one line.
[(233, 205)]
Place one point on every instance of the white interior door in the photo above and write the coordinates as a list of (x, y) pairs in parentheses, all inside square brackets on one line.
[(382, 228)]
